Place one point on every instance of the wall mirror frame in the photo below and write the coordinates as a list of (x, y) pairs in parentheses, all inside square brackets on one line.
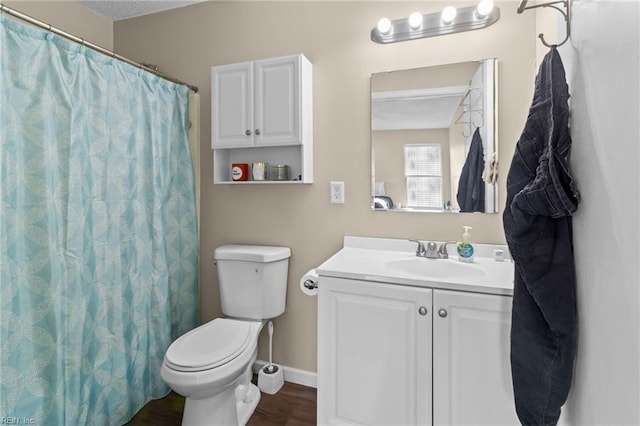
[(433, 139)]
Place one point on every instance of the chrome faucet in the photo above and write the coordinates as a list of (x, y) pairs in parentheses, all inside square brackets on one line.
[(430, 252)]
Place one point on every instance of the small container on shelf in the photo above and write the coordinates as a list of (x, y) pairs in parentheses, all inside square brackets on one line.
[(260, 171), (240, 172), (279, 172)]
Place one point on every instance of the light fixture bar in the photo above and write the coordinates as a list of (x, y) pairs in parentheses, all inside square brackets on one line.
[(432, 25)]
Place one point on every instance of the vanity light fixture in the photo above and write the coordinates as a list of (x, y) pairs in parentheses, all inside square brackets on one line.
[(450, 21)]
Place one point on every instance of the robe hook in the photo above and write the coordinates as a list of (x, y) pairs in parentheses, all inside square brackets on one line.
[(565, 13)]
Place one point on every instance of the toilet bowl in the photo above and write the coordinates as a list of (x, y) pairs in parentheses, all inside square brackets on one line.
[(211, 364)]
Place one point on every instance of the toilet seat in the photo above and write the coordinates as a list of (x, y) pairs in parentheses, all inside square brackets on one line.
[(209, 346)]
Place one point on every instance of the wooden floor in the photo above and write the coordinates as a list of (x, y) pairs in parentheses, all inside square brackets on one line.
[(293, 405)]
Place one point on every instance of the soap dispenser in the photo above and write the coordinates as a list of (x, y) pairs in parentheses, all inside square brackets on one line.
[(465, 248)]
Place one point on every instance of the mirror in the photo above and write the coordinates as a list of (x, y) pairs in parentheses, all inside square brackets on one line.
[(433, 141)]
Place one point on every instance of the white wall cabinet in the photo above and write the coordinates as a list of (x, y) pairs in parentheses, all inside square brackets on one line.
[(261, 111), (395, 354)]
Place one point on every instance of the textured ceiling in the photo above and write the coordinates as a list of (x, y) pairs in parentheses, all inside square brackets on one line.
[(119, 9)]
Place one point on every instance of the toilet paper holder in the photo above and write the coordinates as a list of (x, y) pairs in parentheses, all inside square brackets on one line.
[(310, 284)]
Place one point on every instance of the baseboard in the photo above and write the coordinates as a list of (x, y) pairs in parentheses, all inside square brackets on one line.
[(292, 375)]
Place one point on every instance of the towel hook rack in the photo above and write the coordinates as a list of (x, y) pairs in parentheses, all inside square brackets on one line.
[(566, 13), (469, 106)]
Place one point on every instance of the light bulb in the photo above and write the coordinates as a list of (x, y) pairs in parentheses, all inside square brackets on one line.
[(384, 25), (449, 14), (484, 8), (415, 20)]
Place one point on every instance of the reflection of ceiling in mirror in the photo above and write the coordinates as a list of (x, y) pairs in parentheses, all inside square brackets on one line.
[(415, 109)]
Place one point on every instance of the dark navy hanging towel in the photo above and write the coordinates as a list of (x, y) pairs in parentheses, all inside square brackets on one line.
[(541, 197), (470, 194)]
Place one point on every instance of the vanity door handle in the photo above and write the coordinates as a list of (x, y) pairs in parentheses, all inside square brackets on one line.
[(423, 311), (442, 313), (247, 132), (257, 131)]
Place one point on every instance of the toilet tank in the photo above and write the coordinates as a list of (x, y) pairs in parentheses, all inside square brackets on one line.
[(252, 280)]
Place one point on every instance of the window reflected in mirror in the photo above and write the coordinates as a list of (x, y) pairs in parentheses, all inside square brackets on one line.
[(433, 139)]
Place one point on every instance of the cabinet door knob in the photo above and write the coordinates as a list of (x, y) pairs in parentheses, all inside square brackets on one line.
[(257, 131), (442, 313), (423, 311), (248, 132)]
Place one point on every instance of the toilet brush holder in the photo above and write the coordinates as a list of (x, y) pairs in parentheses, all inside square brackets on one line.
[(270, 379)]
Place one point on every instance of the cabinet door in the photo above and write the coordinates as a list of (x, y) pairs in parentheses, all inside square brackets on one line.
[(471, 371), (232, 106), (277, 101), (374, 353)]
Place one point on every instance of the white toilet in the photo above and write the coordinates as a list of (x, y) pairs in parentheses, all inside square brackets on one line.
[(211, 364)]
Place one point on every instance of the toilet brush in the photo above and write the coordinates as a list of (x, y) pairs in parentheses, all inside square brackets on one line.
[(270, 378), (270, 368)]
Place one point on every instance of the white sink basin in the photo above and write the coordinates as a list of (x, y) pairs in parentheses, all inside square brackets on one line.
[(436, 268)]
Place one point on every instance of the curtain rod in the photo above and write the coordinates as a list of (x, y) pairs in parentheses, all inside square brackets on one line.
[(90, 45)]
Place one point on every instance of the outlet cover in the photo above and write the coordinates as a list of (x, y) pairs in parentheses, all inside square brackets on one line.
[(337, 192)]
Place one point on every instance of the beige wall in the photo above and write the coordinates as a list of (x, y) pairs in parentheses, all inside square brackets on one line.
[(71, 17), (335, 36)]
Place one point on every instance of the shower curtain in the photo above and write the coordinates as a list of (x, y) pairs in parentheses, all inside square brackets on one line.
[(98, 234)]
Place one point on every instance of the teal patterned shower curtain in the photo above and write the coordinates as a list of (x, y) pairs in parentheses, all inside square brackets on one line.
[(98, 238)]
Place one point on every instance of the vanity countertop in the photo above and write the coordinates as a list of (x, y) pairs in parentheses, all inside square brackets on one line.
[(394, 261)]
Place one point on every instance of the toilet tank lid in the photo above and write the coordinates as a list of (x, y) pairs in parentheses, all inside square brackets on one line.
[(262, 254)]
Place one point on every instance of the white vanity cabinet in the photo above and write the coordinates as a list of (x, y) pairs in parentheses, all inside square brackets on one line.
[(393, 354), (261, 111)]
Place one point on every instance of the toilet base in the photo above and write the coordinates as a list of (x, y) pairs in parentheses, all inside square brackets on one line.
[(246, 409), (217, 410), (233, 406)]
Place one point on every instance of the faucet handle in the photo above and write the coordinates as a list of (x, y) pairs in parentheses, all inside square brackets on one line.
[(420, 251), (432, 250), (442, 251)]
